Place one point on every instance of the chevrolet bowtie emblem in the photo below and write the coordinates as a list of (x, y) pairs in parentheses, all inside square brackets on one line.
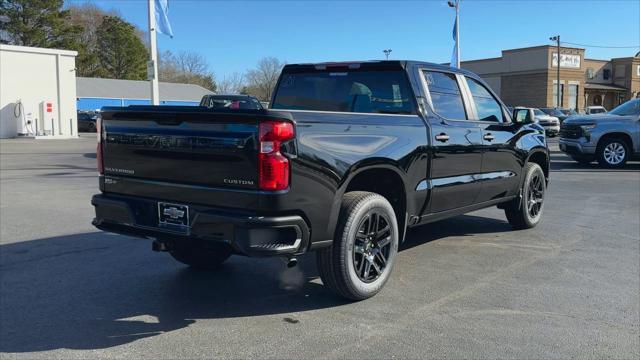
[(173, 213)]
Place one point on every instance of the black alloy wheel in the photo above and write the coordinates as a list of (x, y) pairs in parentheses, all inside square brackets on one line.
[(372, 246), (535, 195)]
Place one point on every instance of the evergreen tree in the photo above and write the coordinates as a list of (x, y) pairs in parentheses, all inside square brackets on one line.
[(38, 23), (121, 53)]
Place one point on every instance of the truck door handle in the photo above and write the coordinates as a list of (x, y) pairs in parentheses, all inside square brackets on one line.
[(488, 137), (442, 137)]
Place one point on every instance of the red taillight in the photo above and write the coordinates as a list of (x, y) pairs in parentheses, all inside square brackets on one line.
[(99, 147), (273, 167)]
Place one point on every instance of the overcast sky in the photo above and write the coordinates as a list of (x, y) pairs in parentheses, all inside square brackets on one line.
[(233, 35)]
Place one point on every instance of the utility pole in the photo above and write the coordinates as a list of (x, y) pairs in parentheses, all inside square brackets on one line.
[(558, 95), (387, 52), (152, 65)]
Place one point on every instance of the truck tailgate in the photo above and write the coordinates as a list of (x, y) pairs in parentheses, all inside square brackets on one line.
[(162, 151)]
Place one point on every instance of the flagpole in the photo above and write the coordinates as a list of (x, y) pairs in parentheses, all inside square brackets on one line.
[(153, 63), (458, 33)]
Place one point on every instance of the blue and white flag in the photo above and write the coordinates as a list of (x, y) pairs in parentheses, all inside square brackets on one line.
[(454, 56), (162, 17)]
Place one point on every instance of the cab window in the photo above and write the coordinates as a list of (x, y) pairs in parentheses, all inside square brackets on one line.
[(487, 107), (445, 95)]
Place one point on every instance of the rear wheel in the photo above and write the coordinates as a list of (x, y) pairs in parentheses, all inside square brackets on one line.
[(613, 153), (200, 256), (359, 262), (527, 212)]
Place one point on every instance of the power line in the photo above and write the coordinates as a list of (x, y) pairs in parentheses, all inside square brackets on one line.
[(604, 47)]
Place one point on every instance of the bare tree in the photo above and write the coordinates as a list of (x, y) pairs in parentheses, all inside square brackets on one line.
[(192, 62), (167, 66), (262, 80), (185, 67), (231, 84), (89, 16)]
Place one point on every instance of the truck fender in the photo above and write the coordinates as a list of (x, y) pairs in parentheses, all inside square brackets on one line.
[(355, 170)]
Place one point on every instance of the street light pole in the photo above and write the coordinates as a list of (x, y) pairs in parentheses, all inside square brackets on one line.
[(558, 95), (387, 52)]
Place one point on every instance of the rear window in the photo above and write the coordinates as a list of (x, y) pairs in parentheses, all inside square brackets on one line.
[(384, 92), (220, 103)]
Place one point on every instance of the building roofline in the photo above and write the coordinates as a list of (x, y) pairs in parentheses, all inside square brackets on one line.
[(477, 60), (626, 58), (37, 50), (126, 80), (541, 47), (585, 59)]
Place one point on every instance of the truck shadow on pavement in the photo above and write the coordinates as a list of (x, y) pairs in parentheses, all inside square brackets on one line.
[(98, 290)]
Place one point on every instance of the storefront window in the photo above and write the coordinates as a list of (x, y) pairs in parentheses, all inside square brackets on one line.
[(555, 95), (573, 96)]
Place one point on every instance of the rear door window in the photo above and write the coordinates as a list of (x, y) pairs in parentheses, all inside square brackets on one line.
[(445, 95), (385, 92)]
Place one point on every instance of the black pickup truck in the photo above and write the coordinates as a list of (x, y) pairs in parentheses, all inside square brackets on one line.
[(349, 156)]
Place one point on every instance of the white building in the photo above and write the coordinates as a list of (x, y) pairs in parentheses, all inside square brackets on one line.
[(37, 92)]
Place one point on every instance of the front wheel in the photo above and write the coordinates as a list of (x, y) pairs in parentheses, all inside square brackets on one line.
[(359, 262), (613, 153), (527, 212)]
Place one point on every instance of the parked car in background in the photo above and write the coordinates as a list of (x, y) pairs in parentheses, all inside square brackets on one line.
[(550, 124), (555, 112), (349, 156), (568, 112), (611, 138), (591, 110), (233, 102), (87, 121)]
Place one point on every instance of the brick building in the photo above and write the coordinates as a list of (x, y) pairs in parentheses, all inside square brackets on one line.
[(527, 77)]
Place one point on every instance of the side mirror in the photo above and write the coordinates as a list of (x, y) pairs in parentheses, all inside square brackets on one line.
[(522, 116)]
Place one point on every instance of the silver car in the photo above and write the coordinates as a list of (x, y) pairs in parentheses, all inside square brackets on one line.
[(612, 138), (550, 124)]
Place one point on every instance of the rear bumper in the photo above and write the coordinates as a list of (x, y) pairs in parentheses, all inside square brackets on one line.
[(246, 233)]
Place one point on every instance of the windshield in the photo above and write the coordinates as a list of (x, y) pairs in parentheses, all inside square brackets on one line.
[(631, 107), (346, 91), (538, 112), (553, 112), (597, 110), (569, 112)]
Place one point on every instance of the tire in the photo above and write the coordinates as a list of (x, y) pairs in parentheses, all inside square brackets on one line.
[(525, 213), (613, 152), (582, 160), (92, 127), (356, 248), (200, 257)]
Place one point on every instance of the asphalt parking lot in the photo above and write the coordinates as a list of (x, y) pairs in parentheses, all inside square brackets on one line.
[(467, 287)]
